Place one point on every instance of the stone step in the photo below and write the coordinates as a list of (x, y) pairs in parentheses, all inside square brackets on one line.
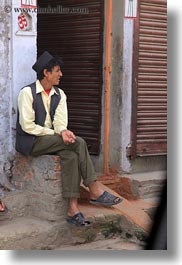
[(135, 217), (38, 211), (40, 205), (108, 222), (136, 186), (148, 205), (40, 177), (130, 219), (32, 233), (114, 243), (17, 203)]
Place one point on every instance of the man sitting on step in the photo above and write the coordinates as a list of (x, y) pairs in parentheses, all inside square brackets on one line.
[(42, 129)]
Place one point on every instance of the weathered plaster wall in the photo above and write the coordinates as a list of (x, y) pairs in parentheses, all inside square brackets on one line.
[(5, 85), (17, 54), (23, 56)]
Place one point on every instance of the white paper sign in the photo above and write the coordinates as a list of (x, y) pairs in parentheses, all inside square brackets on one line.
[(29, 3), (131, 8)]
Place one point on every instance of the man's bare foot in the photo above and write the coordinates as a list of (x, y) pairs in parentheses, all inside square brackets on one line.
[(95, 190), (73, 207)]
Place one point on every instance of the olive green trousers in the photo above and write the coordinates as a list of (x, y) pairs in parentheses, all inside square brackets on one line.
[(76, 163)]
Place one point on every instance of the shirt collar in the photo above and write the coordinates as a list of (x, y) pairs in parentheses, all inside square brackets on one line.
[(39, 88)]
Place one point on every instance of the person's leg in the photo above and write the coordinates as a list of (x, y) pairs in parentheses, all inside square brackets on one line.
[(95, 190), (48, 144), (85, 163), (76, 162), (70, 174), (86, 167), (73, 207)]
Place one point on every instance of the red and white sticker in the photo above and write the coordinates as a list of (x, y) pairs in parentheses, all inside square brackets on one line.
[(22, 22)]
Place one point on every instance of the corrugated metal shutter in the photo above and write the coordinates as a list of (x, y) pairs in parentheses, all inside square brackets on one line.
[(78, 39), (149, 114)]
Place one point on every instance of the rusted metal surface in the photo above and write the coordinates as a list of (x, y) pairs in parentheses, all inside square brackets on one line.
[(149, 117), (78, 39)]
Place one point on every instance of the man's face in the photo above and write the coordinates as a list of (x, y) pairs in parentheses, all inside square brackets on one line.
[(54, 77)]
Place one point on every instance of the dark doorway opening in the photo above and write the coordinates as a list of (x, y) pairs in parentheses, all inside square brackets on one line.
[(73, 29)]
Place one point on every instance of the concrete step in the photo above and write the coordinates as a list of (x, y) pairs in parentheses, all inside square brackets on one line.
[(134, 217), (22, 230), (136, 186), (32, 233), (36, 234), (114, 243), (37, 213), (17, 203), (40, 177), (148, 205), (25, 203), (108, 222), (134, 209)]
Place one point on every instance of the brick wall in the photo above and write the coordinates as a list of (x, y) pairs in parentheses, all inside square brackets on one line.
[(41, 177)]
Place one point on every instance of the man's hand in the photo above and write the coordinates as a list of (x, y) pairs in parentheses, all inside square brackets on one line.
[(68, 137)]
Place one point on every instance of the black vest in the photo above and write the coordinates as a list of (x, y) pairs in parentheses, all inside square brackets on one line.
[(25, 141)]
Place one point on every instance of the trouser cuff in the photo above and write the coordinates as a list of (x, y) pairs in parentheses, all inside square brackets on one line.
[(86, 183)]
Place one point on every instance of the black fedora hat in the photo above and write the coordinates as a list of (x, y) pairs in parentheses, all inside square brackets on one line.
[(42, 61)]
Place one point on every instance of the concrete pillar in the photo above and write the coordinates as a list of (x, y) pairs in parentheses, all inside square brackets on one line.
[(126, 93)]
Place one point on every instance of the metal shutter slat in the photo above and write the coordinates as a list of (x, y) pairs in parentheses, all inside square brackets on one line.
[(149, 120), (78, 39)]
